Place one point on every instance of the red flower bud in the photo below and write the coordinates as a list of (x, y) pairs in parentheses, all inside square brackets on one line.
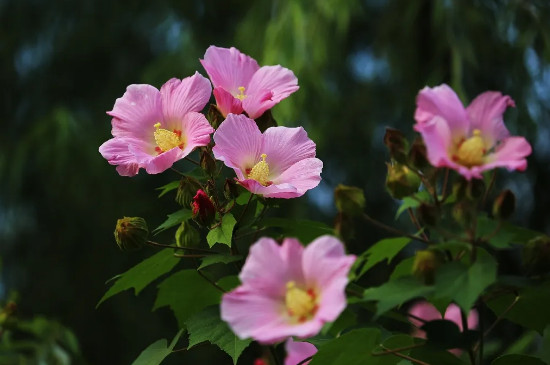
[(204, 211)]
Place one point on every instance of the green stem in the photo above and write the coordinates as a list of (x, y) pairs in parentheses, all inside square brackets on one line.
[(464, 319), (211, 282), (151, 243), (395, 231)]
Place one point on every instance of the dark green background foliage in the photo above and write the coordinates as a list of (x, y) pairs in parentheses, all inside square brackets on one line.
[(360, 65)]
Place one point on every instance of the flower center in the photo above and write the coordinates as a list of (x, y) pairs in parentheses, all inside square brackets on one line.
[(241, 95), (166, 140), (300, 304), (260, 172), (471, 151)]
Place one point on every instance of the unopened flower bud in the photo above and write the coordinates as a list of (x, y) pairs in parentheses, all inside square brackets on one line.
[(397, 144), (344, 227), (349, 200), (504, 205), (536, 255), (230, 189), (418, 156), (204, 211), (214, 117), (131, 233), (425, 264), (401, 181), (187, 235), (186, 190), (208, 163), (475, 189), (8, 311), (462, 213), (428, 215)]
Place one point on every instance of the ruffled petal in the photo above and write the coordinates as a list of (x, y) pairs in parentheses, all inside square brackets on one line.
[(284, 191), (135, 114), (267, 253), (238, 143), (116, 152), (226, 102), (441, 101), (511, 153), (286, 146), (297, 351), (280, 82), (159, 163), (326, 264), (438, 140), (196, 131), (303, 175), (485, 113), (182, 96), (228, 68)]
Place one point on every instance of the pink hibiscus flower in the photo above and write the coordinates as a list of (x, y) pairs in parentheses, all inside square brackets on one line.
[(240, 84), (428, 312), (469, 140), (280, 163), (296, 352), (288, 290), (152, 129)]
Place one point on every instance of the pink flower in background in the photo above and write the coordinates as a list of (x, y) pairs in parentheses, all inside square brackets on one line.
[(280, 163), (239, 83), (298, 351), (428, 312), (152, 129), (288, 290), (469, 140)]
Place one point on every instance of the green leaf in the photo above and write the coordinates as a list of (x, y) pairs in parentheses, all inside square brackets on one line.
[(208, 326), (504, 236), (413, 202), (222, 233), (462, 283), (243, 198), (397, 292), (345, 349), (530, 310), (544, 352), (304, 230), (229, 283), (173, 220), (435, 356), (142, 274), (157, 351), (218, 259), (186, 293), (515, 359), (168, 187), (385, 249), (404, 268), (395, 342)]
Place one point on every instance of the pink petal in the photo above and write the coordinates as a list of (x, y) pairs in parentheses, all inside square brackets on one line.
[(267, 253), (155, 164), (238, 143), (453, 313), (326, 264), (425, 311), (286, 146), (303, 175), (116, 152), (485, 114), (279, 81), (284, 190), (180, 97), (226, 102), (136, 112), (510, 153), (298, 351), (196, 131), (441, 101), (228, 68), (438, 140)]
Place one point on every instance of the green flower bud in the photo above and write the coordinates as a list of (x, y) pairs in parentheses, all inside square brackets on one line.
[(428, 215), (476, 189), (536, 255), (208, 163), (131, 233), (504, 205), (397, 144), (401, 181), (214, 117), (186, 191), (349, 200), (230, 189), (425, 264), (187, 235), (462, 213), (418, 156)]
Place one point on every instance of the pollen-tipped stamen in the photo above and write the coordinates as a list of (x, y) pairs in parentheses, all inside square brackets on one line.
[(260, 172), (241, 95), (471, 152), (300, 303), (166, 140)]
